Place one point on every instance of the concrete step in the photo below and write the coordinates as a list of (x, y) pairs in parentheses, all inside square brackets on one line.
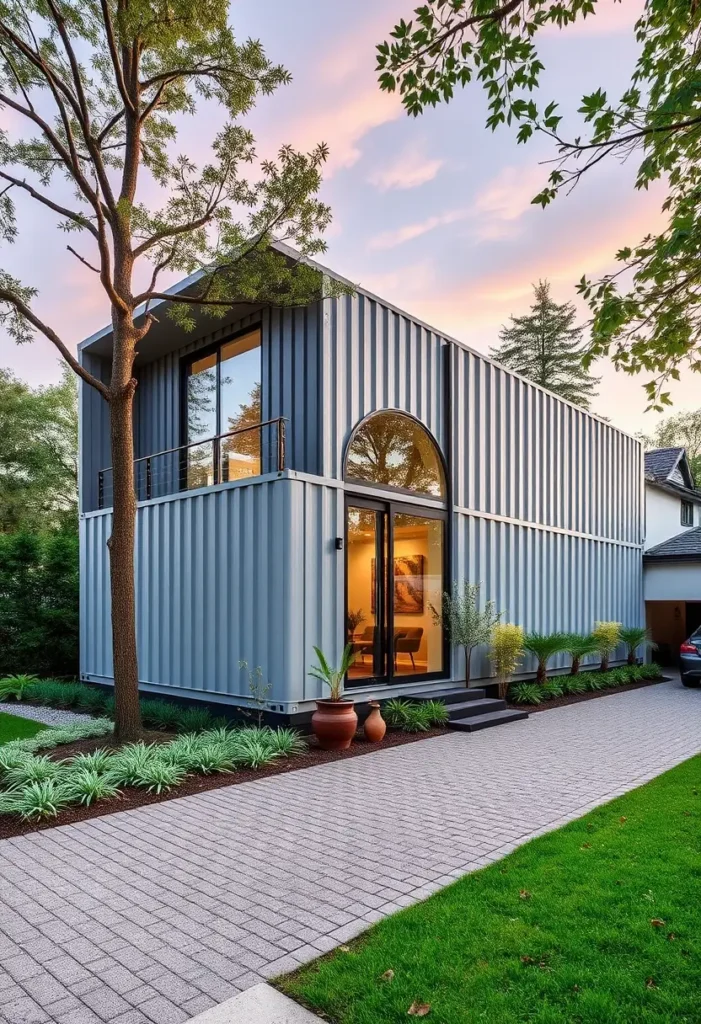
[(486, 721), (471, 708)]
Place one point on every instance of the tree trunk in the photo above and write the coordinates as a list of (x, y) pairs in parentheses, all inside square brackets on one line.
[(121, 547), (575, 666), (542, 673), (468, 657), (604, 663), (631, 655)]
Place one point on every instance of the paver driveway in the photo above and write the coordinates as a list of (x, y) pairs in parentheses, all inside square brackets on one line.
[(154, 914)]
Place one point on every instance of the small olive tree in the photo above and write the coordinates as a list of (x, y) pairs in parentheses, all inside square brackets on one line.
[(468, 624)]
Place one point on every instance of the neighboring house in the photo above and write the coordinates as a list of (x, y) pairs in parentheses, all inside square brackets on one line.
[(322, 475), (672, 576)]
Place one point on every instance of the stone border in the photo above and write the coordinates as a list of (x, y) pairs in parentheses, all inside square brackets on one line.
[(261, 1004)]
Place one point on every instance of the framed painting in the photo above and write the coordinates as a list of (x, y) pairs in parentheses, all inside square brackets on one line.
[(408, 585)]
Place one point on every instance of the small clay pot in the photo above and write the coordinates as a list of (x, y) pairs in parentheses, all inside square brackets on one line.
[(334, 723), (375, 726)]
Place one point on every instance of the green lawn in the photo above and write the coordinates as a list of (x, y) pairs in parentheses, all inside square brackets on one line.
[(597, 923), (12, 727)]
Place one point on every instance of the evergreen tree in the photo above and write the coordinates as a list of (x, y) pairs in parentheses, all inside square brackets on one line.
[(546, 346)]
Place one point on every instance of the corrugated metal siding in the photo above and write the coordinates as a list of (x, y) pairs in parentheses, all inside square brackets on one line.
[(547, 581), (524, 454), (244, 572), (374, 358), (290, 379), (93, 430)]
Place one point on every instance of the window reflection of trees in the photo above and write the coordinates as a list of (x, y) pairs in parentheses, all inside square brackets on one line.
[(394, 450), (241, 454)]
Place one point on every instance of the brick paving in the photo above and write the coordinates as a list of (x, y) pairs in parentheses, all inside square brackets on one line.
[(152, 915)]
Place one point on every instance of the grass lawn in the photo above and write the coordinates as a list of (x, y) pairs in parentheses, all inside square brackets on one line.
[(13, 727), (597, 923)]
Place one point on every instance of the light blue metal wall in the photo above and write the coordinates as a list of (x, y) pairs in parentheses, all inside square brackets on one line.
[(375, 358), (93, 431), (547, 506)]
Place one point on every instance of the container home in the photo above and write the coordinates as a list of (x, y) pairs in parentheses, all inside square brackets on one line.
[(321, 475)]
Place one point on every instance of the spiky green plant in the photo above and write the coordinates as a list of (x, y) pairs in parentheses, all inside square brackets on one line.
[(287, 742), (394, 712), (574, 684), (544, 646), (39, 799), (157, 776), (249, 748), (194, 719), (15, 687), (210, 758), (97, 761), (436, 712), (131, 761), (634, 637), (608, 637), (86, 785), (160, 714), (333, 677), (578, 646), (526, 693), (553, 688), (34, 769)]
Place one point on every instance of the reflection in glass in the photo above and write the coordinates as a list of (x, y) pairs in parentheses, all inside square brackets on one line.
[(201, 419), (394, 450), (417, 558), (362, 583), (223, 391)]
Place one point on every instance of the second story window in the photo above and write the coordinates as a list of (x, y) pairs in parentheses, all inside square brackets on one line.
[(687, 513), (222, 400)]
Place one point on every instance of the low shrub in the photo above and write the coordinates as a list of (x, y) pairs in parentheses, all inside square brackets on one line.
[(15, 687), (413, 716), (160, 714), (38, 800), (193, 719), (526, 693), (85, 785), (553, 688), (157, 776), (33, 769), (573, 684)]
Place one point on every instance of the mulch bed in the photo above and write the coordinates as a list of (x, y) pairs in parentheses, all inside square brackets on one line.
[(14, 826), (576, 698)]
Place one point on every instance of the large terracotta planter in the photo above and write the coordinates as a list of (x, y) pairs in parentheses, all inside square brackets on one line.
[(375, 726), (334, 723)]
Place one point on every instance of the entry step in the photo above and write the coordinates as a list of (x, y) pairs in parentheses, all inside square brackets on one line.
[(486, 721)]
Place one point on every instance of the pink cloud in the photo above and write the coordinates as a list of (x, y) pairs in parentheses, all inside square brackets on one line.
[(391, 239), (409, 169)]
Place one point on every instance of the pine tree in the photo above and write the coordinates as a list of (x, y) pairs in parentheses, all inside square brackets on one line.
[(546, 346)]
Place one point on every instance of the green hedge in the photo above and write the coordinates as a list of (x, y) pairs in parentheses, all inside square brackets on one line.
[(584, 682), (39, 603)]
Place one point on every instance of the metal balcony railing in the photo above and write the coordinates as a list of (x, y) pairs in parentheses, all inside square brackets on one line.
[(237, 455)]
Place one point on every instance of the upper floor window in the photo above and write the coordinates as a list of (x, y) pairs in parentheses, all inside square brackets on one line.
[(687, 513), (392, 449), (222, 400)]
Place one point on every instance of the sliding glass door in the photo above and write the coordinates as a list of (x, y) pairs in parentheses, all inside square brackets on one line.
[(394, 581)]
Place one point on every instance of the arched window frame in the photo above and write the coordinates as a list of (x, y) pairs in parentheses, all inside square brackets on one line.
[(388, 487)]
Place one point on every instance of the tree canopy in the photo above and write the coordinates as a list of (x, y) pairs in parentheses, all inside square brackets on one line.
[(647, 314), (38, 454), (546, 346)]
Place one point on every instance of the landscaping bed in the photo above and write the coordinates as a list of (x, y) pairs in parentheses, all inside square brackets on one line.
[(599, 921), (576, 698), (12, 825)]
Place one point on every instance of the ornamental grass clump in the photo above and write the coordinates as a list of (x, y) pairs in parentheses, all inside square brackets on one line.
[(544, 646), (608, 637), (85, 785), (506, 653), (526, 693), (38, 800), (414, 716), (635, 637), (15, 687)]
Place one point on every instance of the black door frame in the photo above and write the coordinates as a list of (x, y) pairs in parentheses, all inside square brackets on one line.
[(384, 617)]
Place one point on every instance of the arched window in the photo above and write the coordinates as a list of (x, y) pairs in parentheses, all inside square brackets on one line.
[(392, 449)]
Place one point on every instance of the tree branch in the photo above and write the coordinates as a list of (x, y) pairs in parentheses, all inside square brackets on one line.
[(82, 259), (62, 210), (496, 15), (48, 332), (118, 71)]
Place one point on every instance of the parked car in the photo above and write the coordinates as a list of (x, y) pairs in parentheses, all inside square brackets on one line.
[(690, 660)]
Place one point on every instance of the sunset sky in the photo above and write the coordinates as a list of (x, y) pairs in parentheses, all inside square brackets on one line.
[(431, 213)]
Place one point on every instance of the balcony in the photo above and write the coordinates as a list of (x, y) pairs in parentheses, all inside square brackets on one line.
[(237, 455)]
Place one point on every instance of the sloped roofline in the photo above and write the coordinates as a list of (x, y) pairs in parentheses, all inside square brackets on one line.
[(287, 250)]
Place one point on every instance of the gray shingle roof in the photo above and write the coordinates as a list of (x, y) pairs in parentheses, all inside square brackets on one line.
[(685, 545), (660, 462)]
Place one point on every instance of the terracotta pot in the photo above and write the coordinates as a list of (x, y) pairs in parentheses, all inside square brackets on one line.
[(334, 723), (375, 726)]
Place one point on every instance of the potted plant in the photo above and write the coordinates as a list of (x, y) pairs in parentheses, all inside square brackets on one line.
[(334, 722)]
